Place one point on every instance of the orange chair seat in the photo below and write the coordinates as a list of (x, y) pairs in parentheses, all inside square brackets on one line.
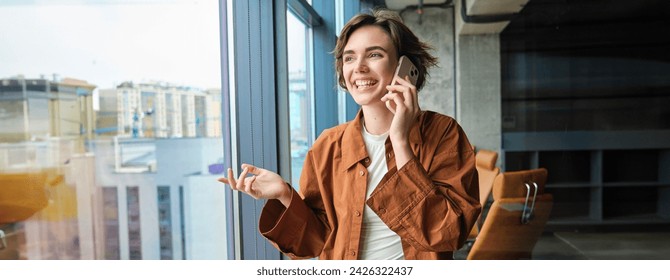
[(21, 196), (504, 235)]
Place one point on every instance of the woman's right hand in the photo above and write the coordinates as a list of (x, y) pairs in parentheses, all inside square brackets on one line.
[(264, 184)]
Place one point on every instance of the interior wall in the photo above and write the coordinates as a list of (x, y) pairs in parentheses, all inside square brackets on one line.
[(436, 28), (478, 89), (466, 84)]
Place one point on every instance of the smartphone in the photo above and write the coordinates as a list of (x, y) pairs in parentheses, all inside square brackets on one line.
[(406, 68)]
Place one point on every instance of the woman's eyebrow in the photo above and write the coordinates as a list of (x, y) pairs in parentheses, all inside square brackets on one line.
[(375, 48), (366, 50)]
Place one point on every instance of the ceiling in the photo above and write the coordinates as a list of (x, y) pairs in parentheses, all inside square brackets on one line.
[(401, 4), (551, 13), (557, 13)]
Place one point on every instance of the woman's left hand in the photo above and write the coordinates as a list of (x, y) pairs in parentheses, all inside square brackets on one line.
[(402, 100)]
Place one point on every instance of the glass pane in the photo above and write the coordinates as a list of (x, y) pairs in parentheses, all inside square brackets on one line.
[(299, 95), (612, 75), (110, 210), (134, 223), (165, 222), (111, 129)]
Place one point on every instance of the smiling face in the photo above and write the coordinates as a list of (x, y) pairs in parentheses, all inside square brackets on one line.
[(368, 64)]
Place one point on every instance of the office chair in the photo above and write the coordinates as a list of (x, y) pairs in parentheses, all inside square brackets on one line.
[(517, 217), (487, 170), (21, 195)]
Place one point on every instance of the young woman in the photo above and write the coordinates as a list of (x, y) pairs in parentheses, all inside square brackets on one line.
[(394, 183)]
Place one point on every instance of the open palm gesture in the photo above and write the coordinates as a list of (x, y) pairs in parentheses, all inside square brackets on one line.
[(264, 184)]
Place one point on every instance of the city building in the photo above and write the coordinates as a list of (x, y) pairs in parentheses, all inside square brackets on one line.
[(160, 110), (41, 108), (167, 212), (133, 177)]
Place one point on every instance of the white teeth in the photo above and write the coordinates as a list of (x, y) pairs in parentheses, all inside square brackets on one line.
[(365, 83)]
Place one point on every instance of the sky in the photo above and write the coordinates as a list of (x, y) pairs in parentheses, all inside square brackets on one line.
[(106, 42)]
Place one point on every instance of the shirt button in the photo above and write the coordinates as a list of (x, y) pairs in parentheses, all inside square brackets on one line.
[(352, 252), (357, 213), (362, 172), (367, 160), (382, 210), (388, 155)]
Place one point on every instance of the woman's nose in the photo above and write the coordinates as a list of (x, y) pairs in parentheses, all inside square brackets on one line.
[(361, 66)]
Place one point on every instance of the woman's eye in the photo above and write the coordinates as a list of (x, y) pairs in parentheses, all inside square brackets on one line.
[(375, 55), (348, 58)]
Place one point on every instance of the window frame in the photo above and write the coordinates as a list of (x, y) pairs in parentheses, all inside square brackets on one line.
[(262, 136)]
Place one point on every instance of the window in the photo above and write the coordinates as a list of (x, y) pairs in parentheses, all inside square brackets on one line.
[(299, 93), (111, 223), (134, 223), (165, 222), (97, 95)]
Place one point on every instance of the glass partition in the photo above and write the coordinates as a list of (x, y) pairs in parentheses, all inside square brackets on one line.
[(300, 108), (111, 138)]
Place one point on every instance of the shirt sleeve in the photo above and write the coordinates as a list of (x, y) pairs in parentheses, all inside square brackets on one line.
[(432, 201), (299, 230)]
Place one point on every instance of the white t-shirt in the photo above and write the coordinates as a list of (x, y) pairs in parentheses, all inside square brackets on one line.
[(378, 242)]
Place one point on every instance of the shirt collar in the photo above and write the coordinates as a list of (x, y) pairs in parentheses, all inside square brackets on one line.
[(353, 146)]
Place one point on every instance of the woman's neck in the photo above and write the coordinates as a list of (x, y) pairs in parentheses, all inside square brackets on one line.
[(377, 119)]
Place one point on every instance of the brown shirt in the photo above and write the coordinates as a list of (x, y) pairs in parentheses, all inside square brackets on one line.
[(432, 202)]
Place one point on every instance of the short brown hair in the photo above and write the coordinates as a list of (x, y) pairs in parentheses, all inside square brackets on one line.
[(404, 40)]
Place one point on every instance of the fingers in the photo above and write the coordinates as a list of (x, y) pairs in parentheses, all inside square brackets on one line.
[(248, 186), (407, 93), (245, 183), (235, 187), (390, 105), (240, 180), (405, 82), (414, 92), (242, 183), (231, 179), (402, 86), (235, 184), (398, 101), (252, 169)]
